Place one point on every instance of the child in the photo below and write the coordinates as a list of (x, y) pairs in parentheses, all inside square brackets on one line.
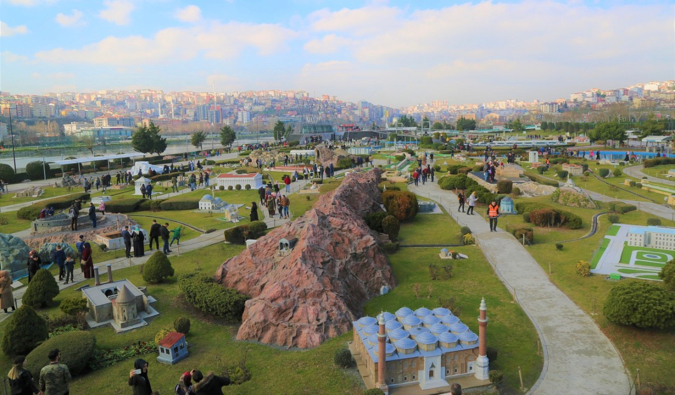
[(70, 266)]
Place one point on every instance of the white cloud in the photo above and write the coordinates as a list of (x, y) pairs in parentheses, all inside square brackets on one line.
[(8, 31), (70, 20), (117, 11), (27, 3), (12, 57), (190, 14), (360, 21), (327, 44), (53, 76)]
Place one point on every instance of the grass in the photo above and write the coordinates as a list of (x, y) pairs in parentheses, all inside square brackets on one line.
[(613, 230), (426, 230), (10, 223), (659, 171), (301, 203), (628, 250), (8, 199), (599, 252)]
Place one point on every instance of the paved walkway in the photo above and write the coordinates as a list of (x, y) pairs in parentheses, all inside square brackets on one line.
[(578, 357), (636, 171)]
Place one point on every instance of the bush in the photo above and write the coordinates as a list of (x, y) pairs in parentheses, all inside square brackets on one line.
[(400, 204), (182, 325), (526, 217), (658, 161), (640, 304), (236, 235), (632, 183), (504, 186), (542, 180), (166, 177), (6, 173), (617, 172), (603, 172), (76, 348), (73, 306), (221, 187), (162, 334), (202, 292), (24, 331), (344, 163), (124, 205), (256, 229), (468, 239), (247, 187), (667, 274), (638, 185), (180, 203), (41, 290), (558, 246), (237, 187), (147, 205), (464, 170), (496, 377), (230, 187), (621, 208), (583, 268), (343, 358), (157, 268), (515, 191), (465, 230), (613, 218), (30, 213), (460, 181), (562, 174), (35, 170), (654, 221), (391, 226), (453, 169), (390, 248), (587, 173), (374, 221), (541, 169), (527, 232)]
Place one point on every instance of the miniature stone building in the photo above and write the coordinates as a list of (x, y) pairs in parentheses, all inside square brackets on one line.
[(426, 207), (13, 255), (533, 156), (31, 191), (573, 169), (207, 202), (285, 245), (172, 348), (506, 206), (252, 179), (445, 254)]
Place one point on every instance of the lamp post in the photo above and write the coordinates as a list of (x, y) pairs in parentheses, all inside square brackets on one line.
[(11, 133)]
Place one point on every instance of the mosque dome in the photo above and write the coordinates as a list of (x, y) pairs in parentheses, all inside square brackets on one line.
[(422, 312), (438, 328), (398, 334), (430, 320), (403, 312), (416, 331), (467, 338), (411, 321), (440, 312), (366, 321), (371, 329), (392, 325), (449, 320), (458, 328)]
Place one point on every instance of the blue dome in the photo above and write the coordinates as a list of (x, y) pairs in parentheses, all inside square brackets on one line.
[(411, 320), (431, 320), (449, 319), (392, 325), (468, 336), (416, 331), (367, 321), (458, 328), (422, 312), (389, 348), (388, 316), (406, 344), (371, 329), (371, 340), (447, 337), (398, 334), (207, 197), (438, 328), (403, 312), (426, 338), (444, 250), (218, 200), (440, 312)]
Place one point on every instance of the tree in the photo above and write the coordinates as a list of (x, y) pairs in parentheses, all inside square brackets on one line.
[(25, 330), (437, 126), (197, 139), (640, 304), (667, 274), (41, 289), (517, 126), (466, 124), (544, 125), (89, 142), (157, 268), (227, 136), (6, 173), (35, 170), (610, 131), (279, 131), (146, 139), (407, 121), (651, 127)]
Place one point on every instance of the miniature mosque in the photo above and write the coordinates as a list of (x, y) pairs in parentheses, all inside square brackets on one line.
[(231, 211), (431, 348)]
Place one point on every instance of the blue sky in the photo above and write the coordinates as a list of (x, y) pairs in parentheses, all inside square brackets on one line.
[(395, 53)]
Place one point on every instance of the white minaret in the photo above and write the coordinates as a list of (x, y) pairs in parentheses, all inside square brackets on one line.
[(483, 365)]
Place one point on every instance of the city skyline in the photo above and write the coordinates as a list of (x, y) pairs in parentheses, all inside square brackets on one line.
[(388, 52)]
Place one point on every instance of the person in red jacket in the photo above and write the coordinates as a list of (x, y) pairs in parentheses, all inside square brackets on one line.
[(287, 181)]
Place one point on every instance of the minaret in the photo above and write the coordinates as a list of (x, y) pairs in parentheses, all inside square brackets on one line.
[(381, 356), (483, 365)]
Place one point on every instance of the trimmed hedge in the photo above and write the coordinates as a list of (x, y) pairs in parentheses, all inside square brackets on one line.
[(41, 290), (550, 217), (603, 173), (76, 349), (654, 221), (391, 226), (374, 221), (123, 205), (24, 331), (167, 176), (149, 205), (73, 305), (528, 232), (460, 181), (35, 170), (542, 181), (157, 268), (504, 186), (400, 204), (6, 173), (621, 207), (202, 292), (29, 212), (658, 161), (640, 304), (180, 203), (239, 234)]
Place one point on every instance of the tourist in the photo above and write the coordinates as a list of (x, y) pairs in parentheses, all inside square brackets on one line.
[(261, 194), (87, 261), (164, 232), (270, 205), (73, 213), (206, 179), (92, 214), (54, 378), (20, 380), (472, 203), (126, 236), (101, 207), (148, 191), (415, 177), (460, 199), (174, 184), (97, 183), (34, 263), (254, 212), (287, 182), (80, 247), (455, 389), (70, 268), (184, 386), (6, 295), (143, 191), (176, 236), (155, 230), (60, 259), (209, 385), (138, 237), (287, 203), (138, 378), (50, 212), (493, 214)]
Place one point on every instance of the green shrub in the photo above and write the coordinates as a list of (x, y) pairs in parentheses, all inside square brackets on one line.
[(148, 205), (613, 218), (587, 173), (468, 239), (562, 174), (256, 229), (667, 274), (241, 171), (317, 181), (617, 172), (515, 191), (229, 188), (638, 185), (162, 334), (182, 325), (123, 205), (6, 173), (558, 246), (374, 221), (632, 183), (343, 358), (583, 268), (247, 187), (166, 177), (76, 349), (465, 230), (180, 203), (658, 161), (570, 220), (603, 172), (390, 248), (654, 221), (504, 186), (236, 235), (202, 292), (526, 217), (400, 204), (519, 232), (464, 170), (157, 268), (30, 213), (344, 163), (237, 187), (623, 208), (543, 181), (24, 331), (73, 305), (221, 187), (453, 169), (391, 226), (460, 181), (41, 290), (640, 304), (541, 169), (496, 377), (35, 170)]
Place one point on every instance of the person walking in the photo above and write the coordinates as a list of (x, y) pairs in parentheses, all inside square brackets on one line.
[(174, 184), (60, 259), (92, 214), (472, 203), (138, 239), (138, 378), (154, 234), (7, 297), (20, 380), (148, 191), (70, 268), (73, 213), (287, 182), (460, 199), (87, 261), (127, 241), (287, 204), (270, 205), (54, 378), (143, 190), (101, 207), (175, 235), (254, 212), (34, 263), (209, 384), (164, 232), (493, 214)]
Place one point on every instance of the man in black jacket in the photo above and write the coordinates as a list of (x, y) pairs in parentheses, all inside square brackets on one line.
[(127, 241), (154, 233), (164, 232), (211, 384)]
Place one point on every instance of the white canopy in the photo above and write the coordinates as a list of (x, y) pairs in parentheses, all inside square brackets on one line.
[(96, 158)]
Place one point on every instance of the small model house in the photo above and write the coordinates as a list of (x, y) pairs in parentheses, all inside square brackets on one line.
[(120, 304), (506, 206), (139, 182), (172, 348), (286, 245), (573, 169), (252, 179)]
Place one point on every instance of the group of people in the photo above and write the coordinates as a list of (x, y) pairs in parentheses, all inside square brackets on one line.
[(136, 237), (193, 382), (425, 174), (54, 378), (271, 197)]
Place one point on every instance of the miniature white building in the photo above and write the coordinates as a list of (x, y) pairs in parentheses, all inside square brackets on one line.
[(533, 156), (651, 236), (252, 179), (139, 182), (145, 168), (120, 304), (208, 202)]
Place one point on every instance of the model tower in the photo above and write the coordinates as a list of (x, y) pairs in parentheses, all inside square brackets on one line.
[(483, 365), (381, 355)]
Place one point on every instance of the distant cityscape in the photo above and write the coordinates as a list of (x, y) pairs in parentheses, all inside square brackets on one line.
[(82, 114)]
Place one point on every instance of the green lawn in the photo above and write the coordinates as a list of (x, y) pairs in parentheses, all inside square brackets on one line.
[(9, 223), (613, 230), (8, 199), (659, 171), (628, 250), (431, 229), (599, 252)]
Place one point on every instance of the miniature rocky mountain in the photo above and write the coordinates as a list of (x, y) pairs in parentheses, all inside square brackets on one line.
[(314, 290)]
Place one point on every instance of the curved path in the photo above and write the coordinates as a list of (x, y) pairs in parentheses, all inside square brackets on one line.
[(636, 171), (578, 357), (594, 229)]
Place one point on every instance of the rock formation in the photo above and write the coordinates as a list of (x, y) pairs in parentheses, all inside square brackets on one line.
[(304, 296), (13, 254), (47, 250), (108, 223), (326, 156)]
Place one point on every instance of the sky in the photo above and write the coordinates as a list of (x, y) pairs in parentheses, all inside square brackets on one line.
[(395, 53)]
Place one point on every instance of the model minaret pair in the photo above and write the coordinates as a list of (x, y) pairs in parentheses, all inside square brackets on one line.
[(483, 365), (381, 355)]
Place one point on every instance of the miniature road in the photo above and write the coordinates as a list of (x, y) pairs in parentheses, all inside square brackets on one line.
[(636, 171), (578, 357)]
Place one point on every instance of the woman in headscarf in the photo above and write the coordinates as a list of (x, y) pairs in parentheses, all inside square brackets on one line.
[(7, 298), (138, 238), (87, 261), (20, 380), (254, 212), (138, 378)]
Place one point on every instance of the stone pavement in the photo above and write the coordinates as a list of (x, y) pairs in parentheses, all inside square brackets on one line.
[(578, 357), (636, 171)]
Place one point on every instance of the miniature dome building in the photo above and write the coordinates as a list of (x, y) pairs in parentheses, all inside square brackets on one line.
[(366, 321), (388, 316), (506, 206), (432, 351), (124, 308)]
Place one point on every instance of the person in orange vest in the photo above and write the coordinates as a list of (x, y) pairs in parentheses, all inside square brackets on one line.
[(493, 214)]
